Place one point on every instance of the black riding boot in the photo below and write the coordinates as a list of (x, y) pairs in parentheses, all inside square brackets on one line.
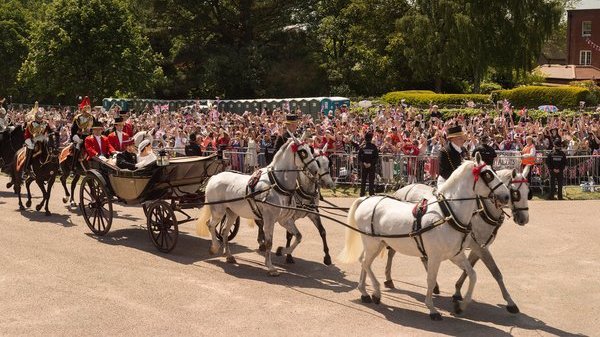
[(76, 154), (28, 155)]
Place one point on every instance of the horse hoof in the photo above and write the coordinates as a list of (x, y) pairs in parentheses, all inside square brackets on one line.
[(279, 251), (273, 273), (38, 207), (65, 200), (457, 309), (436, 290), (327, 260), (73, 204), (513, 309), (457, 298), (28, 203), (389, 284), (231, 259), (289, 259), (376, 299), (21, 208), (213, 250), (366, 299), (262, 247), (48, 213), (435, 317), (9, 185)]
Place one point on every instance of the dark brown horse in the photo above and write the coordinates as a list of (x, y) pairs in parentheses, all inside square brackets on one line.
[(11, 140), (44, 169), (67, 157)]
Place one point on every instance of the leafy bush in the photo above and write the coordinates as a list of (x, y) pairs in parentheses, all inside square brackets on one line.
[(417, 92), (534, 96), (423, 99), (488, 87), (594, 89)]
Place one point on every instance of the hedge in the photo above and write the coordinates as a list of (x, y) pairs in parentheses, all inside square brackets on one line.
[(419, 99), (533, 96)]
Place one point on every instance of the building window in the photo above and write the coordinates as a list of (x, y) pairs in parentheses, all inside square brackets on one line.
[(585, 57), (586, 28)]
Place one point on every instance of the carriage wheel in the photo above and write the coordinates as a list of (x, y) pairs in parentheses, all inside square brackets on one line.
[(95, 204), (162, 226), (232, 232)]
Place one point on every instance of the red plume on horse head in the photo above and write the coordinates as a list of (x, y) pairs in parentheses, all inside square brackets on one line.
[(84, 102)]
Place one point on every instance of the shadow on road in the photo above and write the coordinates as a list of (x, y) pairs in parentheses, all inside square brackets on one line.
[(476, 312), (189, 249), (40, 216)]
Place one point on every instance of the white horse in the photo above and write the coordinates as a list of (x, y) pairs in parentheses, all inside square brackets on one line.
[(486, 224), (278, 181), (385, 221), (307, 197)]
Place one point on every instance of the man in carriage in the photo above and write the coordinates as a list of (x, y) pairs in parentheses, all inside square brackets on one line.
[(118, 137), (80, 130), (128, 158), (97, 145), (36, 132)]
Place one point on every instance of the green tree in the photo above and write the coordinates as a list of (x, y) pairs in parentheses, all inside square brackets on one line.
[(13, 45), (91, 47)]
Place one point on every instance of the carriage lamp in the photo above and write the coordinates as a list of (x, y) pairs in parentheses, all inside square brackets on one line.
[(163, 158)]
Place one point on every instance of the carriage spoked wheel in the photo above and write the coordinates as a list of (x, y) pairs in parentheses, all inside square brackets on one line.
[(162, 225), (95, 204), (232, 231)]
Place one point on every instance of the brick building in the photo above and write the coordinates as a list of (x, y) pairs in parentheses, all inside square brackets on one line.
[(583, 37)]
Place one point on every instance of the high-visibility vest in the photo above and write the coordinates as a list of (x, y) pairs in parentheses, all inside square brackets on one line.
[(527, 160)]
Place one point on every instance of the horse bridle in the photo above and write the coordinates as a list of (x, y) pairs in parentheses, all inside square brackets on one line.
[(303, 154), (515, 194), (487, 176)]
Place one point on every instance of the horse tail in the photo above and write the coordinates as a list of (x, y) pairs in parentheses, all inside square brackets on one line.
[(353, 247), (202, 223)]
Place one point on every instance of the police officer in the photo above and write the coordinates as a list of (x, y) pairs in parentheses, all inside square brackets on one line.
[(452, 155), (556, 162), (368, 156), (488, 154), (291, 125)]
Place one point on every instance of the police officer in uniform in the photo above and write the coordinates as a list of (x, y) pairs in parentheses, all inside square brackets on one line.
[(556, 162), (488, 154), (291, 125), (452, 155), (82, 123), (368, 156), (36, 132)]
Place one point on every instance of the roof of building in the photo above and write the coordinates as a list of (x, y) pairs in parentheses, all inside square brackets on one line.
[(569, 72)]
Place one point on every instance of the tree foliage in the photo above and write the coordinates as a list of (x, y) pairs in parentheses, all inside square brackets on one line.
[(13, 45)]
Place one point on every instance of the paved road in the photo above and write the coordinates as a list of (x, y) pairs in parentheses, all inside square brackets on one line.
[(58, 279)]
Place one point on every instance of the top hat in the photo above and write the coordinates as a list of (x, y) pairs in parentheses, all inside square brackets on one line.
[(455, 131), (119, 120), (291, 118), (97, 125)]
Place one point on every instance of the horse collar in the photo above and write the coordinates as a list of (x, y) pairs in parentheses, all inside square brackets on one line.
[(449, 214), (485, 214), (277, 186)]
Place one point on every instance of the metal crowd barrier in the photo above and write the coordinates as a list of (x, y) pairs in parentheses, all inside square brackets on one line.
[(395, 169)]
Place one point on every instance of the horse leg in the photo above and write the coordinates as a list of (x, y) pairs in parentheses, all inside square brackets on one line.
[(269, 226), (317, 221), (473, 258), (436, 289), (63, 182), (28, 182), (229, 220), (261, 235), (40, 184), (48, 193), (488, 260), (372, 249), (17, 187), (288, 240), (433, 266), (462, 262), (73, 185), (389, 283), (290, 226), (217, 213)]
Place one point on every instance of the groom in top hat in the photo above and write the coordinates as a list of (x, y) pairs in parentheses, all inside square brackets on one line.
[(291, 125), (452, 155), (118, 137)]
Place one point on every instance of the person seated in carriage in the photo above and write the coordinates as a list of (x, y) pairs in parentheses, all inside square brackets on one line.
[(118, 137), (80, 129), (97, 145), (36, 132), (146, 155), (127, 159)]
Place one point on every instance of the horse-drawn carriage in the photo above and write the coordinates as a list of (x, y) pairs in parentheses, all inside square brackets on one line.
[(161, 190)]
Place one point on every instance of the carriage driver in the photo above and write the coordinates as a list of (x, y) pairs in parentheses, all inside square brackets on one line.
[(291, 125), (452, 155), (35, 132), (81, 128)]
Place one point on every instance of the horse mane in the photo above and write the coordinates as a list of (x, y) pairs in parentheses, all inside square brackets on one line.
[(279, 153), (505, 175), (453, 179)]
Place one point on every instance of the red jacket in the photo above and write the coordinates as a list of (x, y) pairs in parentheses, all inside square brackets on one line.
[(128, 128), (92, 148), (114, 140)]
